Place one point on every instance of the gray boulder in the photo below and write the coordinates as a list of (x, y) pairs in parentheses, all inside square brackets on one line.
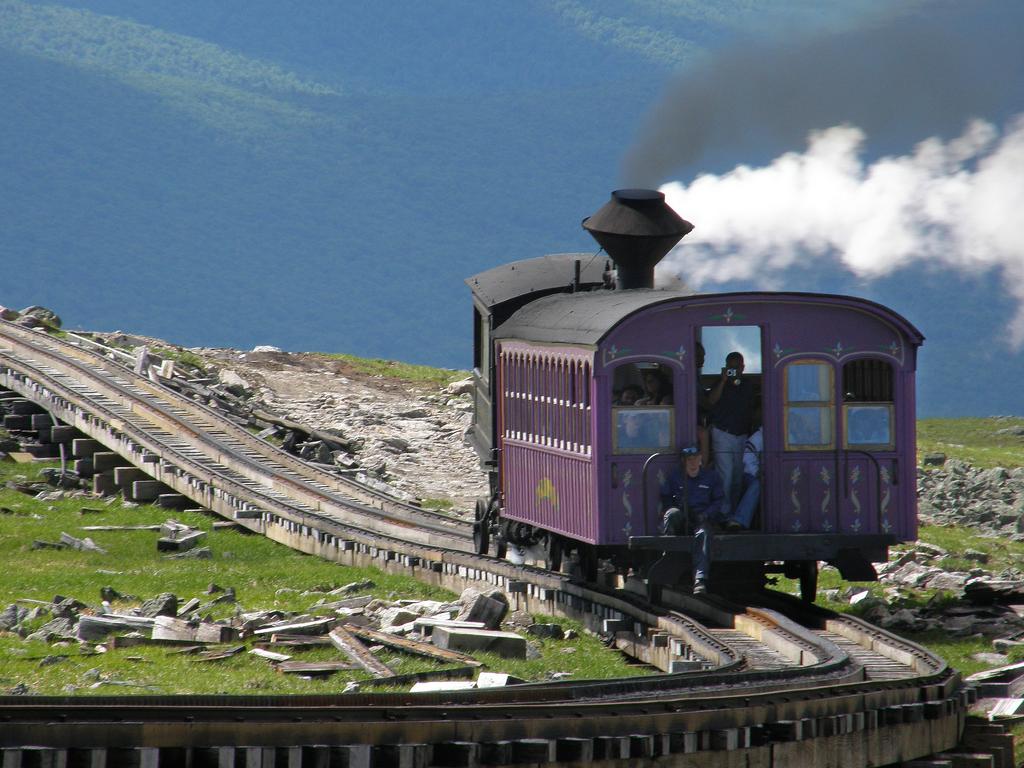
[(165, 604), (47, 316)]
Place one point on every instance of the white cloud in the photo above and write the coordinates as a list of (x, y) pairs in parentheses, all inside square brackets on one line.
[(952, 204)]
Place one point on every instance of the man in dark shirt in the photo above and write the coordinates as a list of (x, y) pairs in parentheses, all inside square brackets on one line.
[(732, 408), (694, 499)]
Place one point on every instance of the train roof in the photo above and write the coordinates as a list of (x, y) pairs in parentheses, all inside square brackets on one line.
[(585, 318), (543, 274)]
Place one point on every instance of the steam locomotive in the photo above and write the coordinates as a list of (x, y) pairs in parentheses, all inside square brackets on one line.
[(561, 339)]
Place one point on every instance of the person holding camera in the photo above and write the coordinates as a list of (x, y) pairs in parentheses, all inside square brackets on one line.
[(732, 409)]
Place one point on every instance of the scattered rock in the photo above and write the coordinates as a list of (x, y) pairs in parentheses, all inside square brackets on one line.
[(546, 630), (165, 604), (52, 630), (47, 316), (489, 608), (992, 659), (11, 617)]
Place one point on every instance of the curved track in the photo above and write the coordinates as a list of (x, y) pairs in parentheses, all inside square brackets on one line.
[(766, 680)]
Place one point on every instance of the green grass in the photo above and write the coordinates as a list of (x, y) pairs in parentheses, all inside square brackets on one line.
[(392, 369), (975, 441), (263, 574), (183, 356)]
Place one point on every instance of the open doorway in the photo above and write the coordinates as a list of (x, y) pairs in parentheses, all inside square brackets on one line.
[(730, 413)]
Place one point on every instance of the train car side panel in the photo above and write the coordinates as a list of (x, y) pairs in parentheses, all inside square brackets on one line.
[(546, 435)]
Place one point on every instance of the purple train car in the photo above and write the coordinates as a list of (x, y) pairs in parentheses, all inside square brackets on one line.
[(587, 387)]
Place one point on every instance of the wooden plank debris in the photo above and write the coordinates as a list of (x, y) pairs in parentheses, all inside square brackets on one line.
[(314, 627), (297, 641), (359, 653), (215, 655), (188, 607), (97, 627), (171, 628), (121, 641), (425, 625), (120, 528), (412, 646), (263, 653), (315, 668), (188, 649)]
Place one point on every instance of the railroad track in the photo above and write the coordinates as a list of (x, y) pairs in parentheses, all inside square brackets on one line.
[(766, 680)]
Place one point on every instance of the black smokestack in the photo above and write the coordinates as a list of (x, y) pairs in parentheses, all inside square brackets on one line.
[(636, 228)]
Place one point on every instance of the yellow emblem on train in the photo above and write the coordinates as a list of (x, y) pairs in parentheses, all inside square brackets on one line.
[(546, 491)]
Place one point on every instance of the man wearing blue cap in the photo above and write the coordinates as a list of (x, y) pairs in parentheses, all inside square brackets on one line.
[(694, 498)]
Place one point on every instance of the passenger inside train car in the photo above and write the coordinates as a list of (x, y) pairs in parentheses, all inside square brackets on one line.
[(643, 414)]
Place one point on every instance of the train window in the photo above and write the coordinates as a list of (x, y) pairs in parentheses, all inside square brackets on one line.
[(643, 416), (809, 406), (642, 430), (719, 340), (869, 426), (868, 405), (867, 381), (642, 384), (481, 343), (546, 401)]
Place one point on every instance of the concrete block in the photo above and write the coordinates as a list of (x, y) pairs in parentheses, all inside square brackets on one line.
[(106, 461), (611, 748), (311, 757), (124, 476), (496, 752), (351, 756), (42, 450), (179, 543), (682, 742), (403, 755), (486, 609), (84, 447), (457, 754), (146, 490), (41, 420), (62, 433), (103, 484), (17, 422), (506, 644), (173, 501), (572, 749), (83, 467), (534, 750)]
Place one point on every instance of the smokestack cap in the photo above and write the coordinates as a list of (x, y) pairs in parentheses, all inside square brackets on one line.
[(637, 228)]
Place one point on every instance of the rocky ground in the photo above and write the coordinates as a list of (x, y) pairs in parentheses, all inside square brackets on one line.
[(408, 434)]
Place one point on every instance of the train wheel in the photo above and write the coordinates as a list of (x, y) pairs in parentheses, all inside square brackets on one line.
[(808, 580), (481, 534), (588, 562), (501, 542), (554, 552)]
